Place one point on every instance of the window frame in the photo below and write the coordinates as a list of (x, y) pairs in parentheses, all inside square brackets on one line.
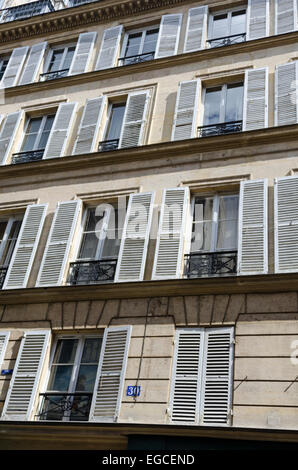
[(9, 223), (44, 118), (51, 51), (109, 115), (135, 31), (223, 100), (229, 14), (2, 60)]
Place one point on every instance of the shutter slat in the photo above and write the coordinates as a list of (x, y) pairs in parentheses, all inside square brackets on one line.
[(196, 29), (89, 126), (109, 48), (255, 112), (285, 16), (134, 119), (14, 67), (33, 63), (168, 37), (186, 111), (60, 131), (8, 132), (286, 94), (83, 52), (257, 19)]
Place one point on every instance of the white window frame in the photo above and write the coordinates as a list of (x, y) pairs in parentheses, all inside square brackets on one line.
[(108, 117), (3, 243), (40, 130), (2, 59), (51, 52), (229, 14), (135, 31), (223, 100)]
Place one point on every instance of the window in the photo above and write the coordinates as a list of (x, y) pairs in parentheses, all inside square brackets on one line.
[(9, 231), (113, 128), (3, 65), (58, 62), (214, 237), (139, 46), (227, 28), (27, 10)]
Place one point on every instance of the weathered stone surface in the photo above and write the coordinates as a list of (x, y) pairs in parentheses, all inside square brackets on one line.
[(263, 303), (143, 413), (206, 309), (158, 306), (177, 309), (110, 313), (235, 307), (192, 304), (81, 314), (68, 312), (161, 347), (23, 312), (220, 308), (55, 315), (134, 307), (95, 311)]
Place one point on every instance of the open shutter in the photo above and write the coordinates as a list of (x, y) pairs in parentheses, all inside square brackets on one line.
[(186, 375), (26, 246), (4, 338), (196, 29), (171, 234), (186, 112), (285, 16), (134, 119), (8, 132), (33, 63), (59, 243), (60, 130), (217, 377), (168, 37), (255, 109), (89, 126), (83, 52), (24, 383), (135, 238), (257, 19), (109, 48), (14, 67), (286, 224), (286, 94), (253, 231), (109, 382)]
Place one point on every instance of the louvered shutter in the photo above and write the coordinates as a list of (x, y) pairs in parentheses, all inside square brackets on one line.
[(253, 231), (26, 246), (171, 234), (257, 19), (14, 67), (168, 37), (286, 224), (216, 397), (33, 63), (109, 382), (196, 29), (4, 338), (255, 109), (60, 130), (24, 383), (134, 119), (109, 48), (8, 132), (135, 238), (89, 126), (285, 16), (186, 112), (59, 243), (186, 376), (83, 52), (286, 94)]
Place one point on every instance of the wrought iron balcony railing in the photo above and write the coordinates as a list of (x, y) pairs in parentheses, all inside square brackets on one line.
[(92, 272), (227, 40), (3, 272), (108, 145), (58, 406), (136, 59), (43, 77), (210, 264), (220, 128), (27, 10), (27, 157)]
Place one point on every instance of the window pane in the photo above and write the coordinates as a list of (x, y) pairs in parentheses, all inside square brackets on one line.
[(89, 246), (31, 134), (56, 60), (60, 378), (150, 41), (2, 229), (68, 58), (10, 243), (133, 44), (65, 351), (112, 241), (115, 124), (238, 22), (49, 122), (228, 223), (228, 207), (212, 106), (234, 103), (91, 350), (202, 225), (220, 26), (33, 125), (86, 378)]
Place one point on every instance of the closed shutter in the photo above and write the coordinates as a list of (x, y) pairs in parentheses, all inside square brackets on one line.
[(89, 126), (196, 29), (286, 94), (257, 19), (24, 383), (14, 67), (186, 376), (253, 231), (4, 338), (109, 382), (286, 224), (134, 119), (255, 109), (285, 16), (60, 130), (83, 52), (59, 243), (26, 246), (217, 377), (33, 63), (168, 37), (186, 112), (135, 238), (8, 132), (109, 48), (171, 234)]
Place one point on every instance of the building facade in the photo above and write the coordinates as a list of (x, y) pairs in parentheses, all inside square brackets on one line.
[(148, 223)]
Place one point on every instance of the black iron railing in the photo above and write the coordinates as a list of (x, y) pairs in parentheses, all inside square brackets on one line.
[(227, 40), (3, 272), (57, 406), (75, 3), (92, 272), (108, 145), (136, 59), (210, 264), (27, 157), (220, 128), (27, 10), (53, 75)]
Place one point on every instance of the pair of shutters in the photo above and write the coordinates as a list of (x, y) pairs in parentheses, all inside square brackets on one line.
[(25, 382), (201, 391)]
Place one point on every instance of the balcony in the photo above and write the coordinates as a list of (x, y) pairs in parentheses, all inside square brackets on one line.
[(136, 59), (53, 75), (108, 145), (210, 264), (3, 272), (221, 128), (92, 272), (57, 406), (227, 40), (27, 157), (27, 10)]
